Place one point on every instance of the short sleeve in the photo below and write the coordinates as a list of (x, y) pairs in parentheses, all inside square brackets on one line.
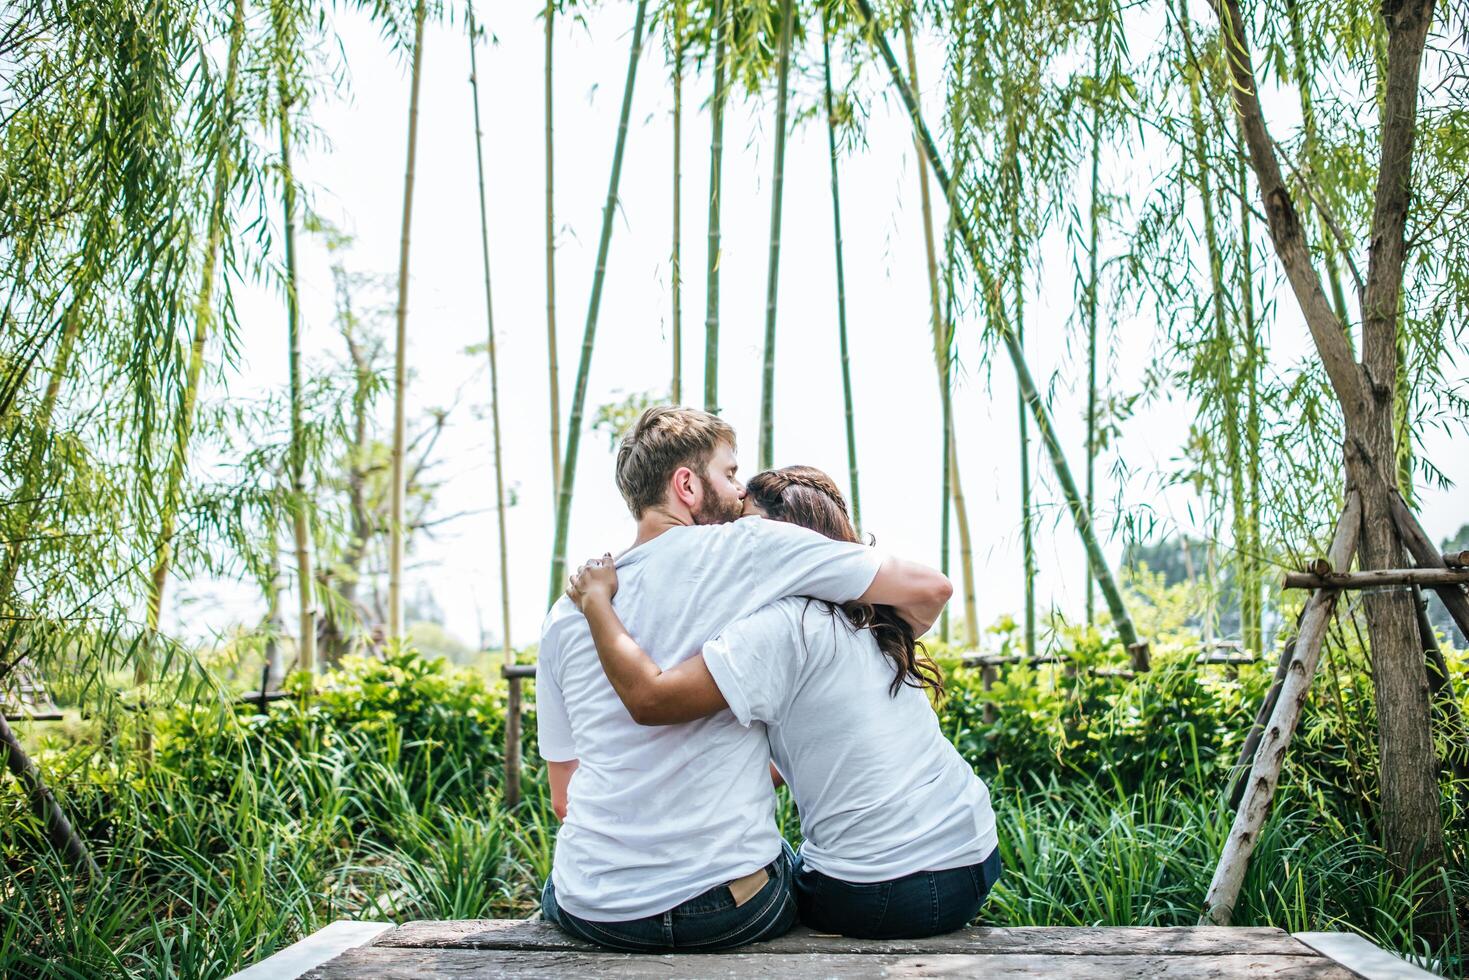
[(756, 661), (788, 560), (553, 725)]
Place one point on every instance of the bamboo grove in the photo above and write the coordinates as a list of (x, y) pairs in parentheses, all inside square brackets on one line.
[(1315, 155)]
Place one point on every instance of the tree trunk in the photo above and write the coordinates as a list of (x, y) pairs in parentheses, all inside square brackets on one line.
[(512, 710), (1412, 827), (1127, 633), (400, 374), (836, 219), (584, 366), (552, 362), (772, 275), (941, 363), (716, 193), (203, 320), (306, 610)]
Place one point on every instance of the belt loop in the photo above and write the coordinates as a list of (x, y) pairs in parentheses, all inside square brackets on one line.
[(668, 929)]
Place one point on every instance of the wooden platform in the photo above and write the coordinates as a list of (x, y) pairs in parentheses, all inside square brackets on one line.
[(516, 948)]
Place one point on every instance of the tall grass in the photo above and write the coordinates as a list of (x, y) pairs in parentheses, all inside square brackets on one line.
[(371, 802)]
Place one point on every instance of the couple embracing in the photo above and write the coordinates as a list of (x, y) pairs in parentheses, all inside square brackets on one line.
[(745, 638)]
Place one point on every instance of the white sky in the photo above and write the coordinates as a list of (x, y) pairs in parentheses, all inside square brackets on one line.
[(358, 182)]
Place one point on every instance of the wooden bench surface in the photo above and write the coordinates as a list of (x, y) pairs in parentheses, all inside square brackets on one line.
[(513, 948)]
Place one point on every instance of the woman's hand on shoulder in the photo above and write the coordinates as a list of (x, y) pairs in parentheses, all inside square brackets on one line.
[(594, 581)]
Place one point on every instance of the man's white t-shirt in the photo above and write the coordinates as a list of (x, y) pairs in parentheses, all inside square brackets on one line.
[(881, 792), (657, 815)]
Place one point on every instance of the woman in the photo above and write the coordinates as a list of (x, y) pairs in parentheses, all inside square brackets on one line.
[(899, 835)]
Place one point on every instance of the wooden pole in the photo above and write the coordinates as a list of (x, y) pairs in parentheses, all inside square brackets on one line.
[(1441, 688), (1265, 770), (1262, 717), (1432, 577), (1416, 540), (59, 829)]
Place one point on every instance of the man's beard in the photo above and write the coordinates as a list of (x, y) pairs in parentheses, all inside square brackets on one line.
[(716, 509)]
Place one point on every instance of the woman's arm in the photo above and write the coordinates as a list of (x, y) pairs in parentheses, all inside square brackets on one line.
[(652, 696), (559, 775)]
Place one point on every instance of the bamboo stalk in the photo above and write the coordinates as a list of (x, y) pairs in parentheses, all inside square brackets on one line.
[(1091, 308), (400, 374), (716, 194), (836, 219), (1302, 71), (301, 528), (1223, 382), (941, 364), (772, 273), (676, 386), (1265, 769), (203, 320), (71, 326), (594, 306), (512, 709), (1253, 632), (1017, 285), (553, 368), (1127, 632)]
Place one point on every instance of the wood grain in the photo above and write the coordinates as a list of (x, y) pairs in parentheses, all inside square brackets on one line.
[(400, 963), (524, 935)]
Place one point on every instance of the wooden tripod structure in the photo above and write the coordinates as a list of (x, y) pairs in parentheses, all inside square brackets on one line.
[(1282, 707)]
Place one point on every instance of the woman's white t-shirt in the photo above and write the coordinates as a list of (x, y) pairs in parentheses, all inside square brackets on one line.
[(881, 792)]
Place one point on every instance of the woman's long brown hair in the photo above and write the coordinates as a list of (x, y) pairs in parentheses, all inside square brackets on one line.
[(806, 496)]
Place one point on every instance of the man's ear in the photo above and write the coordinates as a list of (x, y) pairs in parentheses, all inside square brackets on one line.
[(685, 487)]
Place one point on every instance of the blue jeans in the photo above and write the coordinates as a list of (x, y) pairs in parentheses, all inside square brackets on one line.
[(706, 922), (925, 903)]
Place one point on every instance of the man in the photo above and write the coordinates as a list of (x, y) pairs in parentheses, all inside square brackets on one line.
[(668, 838)]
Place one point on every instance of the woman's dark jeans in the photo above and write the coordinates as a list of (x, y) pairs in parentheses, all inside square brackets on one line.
[(925, 903), (706, 922)]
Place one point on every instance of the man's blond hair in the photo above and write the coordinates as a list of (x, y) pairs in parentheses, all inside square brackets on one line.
[(664, 438)]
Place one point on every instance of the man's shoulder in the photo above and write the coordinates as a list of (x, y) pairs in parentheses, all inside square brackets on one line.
[(562, 613), (678, 543)]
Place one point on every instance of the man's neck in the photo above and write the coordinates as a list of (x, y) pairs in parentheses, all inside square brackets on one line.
[(655, 522)]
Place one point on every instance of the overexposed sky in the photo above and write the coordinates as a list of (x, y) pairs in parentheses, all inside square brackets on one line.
[(357, 183)]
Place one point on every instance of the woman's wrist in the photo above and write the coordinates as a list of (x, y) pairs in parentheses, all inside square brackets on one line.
[(598, 600)]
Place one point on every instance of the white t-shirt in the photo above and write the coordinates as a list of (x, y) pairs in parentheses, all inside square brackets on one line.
[(657, 815), (881, 792)]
